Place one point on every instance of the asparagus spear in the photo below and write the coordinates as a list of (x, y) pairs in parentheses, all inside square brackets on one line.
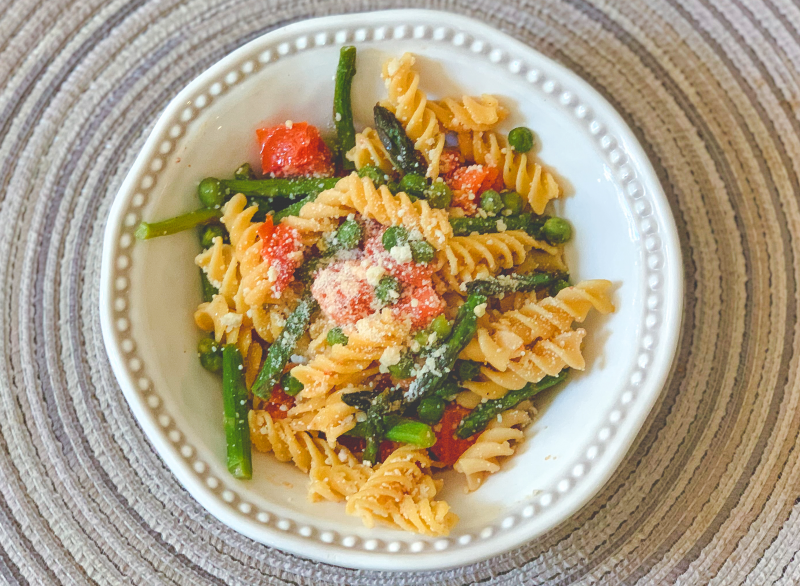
[(294, 209), (348, 236), (493, 286), (401, 430), (208, 289), (279, 353), (384, 403), (342, 106), (399, 146), (528, 222), (279, 187), (147, 230), (235, 407), (476, 420), (464, 328)]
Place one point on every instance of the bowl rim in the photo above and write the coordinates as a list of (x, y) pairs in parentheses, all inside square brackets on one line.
[(340, 551)]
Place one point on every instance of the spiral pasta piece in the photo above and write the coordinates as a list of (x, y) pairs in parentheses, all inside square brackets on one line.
[(411, 106), (503, 336), (469, 257), (545, 358), (327, 414), (277, 436), (520, 172), (221, 268), (469, 114), (400, 493), (497, 441), (354, 194), (369, 150)]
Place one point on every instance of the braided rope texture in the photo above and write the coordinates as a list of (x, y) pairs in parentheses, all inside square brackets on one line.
[(710, 491)]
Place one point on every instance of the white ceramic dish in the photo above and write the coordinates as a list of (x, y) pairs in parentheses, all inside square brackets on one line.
[(624, 232)]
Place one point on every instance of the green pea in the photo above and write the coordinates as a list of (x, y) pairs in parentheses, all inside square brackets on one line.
[(422, 251), (402, 369), (349, 234), (210, 193), (394, 187), (376, 174), (440, 326), (439, 195), (556, 231), (290, 385), (491, 201), (336, 336), (394, 236), (467, 369), (414, 184), (521, 139), (513, 202), (558, 286), (431, 409), (208, 233), (245, 171), (388, 290), (210, 354)]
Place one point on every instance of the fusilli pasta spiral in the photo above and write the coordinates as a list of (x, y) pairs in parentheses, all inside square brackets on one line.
[(327, 414), (369, 150), (410, 105), (221, 268), (469, 114), (401, 494), (481, 458), (520, 172)]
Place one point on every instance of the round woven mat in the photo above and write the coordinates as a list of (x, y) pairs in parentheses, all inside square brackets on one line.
[(708, 492)]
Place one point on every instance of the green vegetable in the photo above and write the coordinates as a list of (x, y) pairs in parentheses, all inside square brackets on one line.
[(279, 352), (408, 431), (290, 385), (449, 389), (404, 368), (513, 202), (146, 230), (394, 236), (293, 209), (361, 400), (491, 201), (422, 251), (208, 233), (556, 231), (421, 338), (558, 286), (466, 226), (394, 187), (388, 290), (494, 286), (375, 424), (235, 408), (476, 420), (280, 187), (207, 288), (439, 195), (521, 139), (376, 174), (397, 143), (210, 193), (349, 235), (464, 328), (414, 184), (336, 336), (342, 105), (210, 353), (467, 369), (245, 171), (441, 327), (431, 409)]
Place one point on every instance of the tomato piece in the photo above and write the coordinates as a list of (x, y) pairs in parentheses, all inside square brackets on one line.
[(279, 403), (343, 293), (448, 448), (420, 304), (280, 245), (468, 183), (357, 444), (292, 149), (449, 161), (408, 273)]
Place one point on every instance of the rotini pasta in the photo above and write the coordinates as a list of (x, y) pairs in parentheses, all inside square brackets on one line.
[(400, 493), (364, 354), (470, 114), (411, 107)]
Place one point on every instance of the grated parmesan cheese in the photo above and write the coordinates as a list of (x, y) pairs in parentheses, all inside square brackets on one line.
[(390, 357), (401, 254), (480, 310)]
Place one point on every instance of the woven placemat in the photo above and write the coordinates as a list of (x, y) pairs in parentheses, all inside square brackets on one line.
[(709, 492)]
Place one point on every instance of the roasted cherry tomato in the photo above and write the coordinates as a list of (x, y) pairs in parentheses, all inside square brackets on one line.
[(448, 448), (293, 149)]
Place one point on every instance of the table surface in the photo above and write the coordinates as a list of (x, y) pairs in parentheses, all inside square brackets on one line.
[(709, 493)]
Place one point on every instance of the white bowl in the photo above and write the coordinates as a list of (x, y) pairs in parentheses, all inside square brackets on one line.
[(624, 232)]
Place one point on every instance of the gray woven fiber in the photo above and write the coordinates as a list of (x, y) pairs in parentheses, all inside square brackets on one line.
[(709, 492)]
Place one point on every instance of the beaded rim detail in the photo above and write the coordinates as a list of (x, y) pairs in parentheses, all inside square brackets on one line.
[(618, 149)]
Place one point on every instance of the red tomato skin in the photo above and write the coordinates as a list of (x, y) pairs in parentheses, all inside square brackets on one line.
[(289, 151), (468, 183), (276, 400), (342, 295), (278, 243), (448, 448), (408, 273), (428, 305)]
